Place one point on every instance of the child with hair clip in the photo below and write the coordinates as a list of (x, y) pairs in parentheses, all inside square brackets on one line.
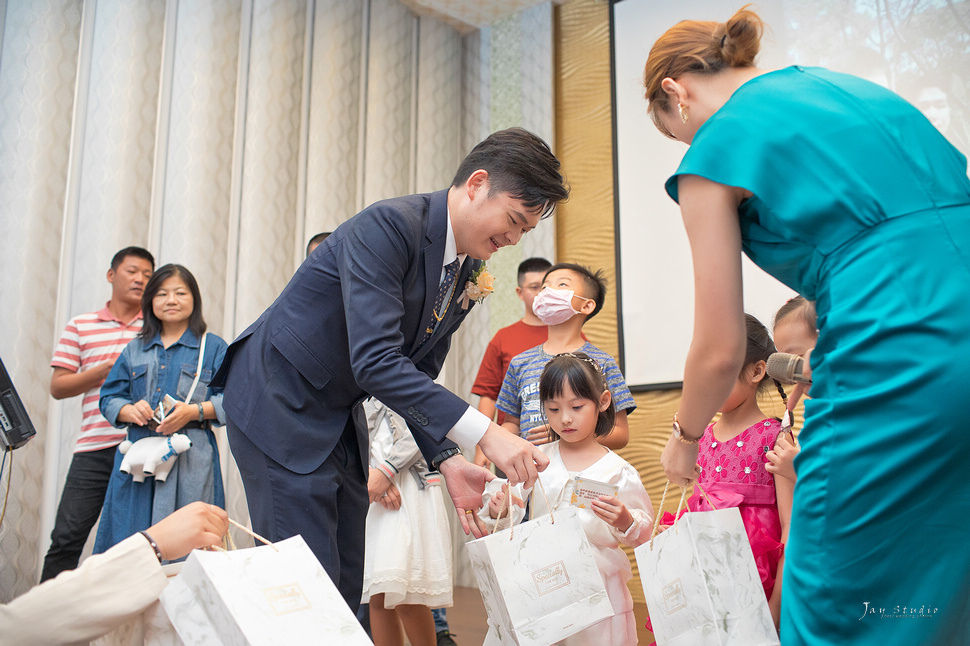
[(407, 555), (579, 409), (732, 459), (795, 332)]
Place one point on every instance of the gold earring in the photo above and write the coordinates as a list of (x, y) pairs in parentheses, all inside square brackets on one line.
[(683, 112)]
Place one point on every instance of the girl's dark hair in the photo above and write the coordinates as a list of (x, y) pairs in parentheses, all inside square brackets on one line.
[(152, 325), (803, 308), (759, 348), (586, 379)]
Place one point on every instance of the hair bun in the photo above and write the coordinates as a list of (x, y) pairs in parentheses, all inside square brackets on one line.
[(738, 40)]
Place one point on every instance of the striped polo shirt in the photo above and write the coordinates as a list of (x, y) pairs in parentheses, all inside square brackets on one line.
[(90, 339)]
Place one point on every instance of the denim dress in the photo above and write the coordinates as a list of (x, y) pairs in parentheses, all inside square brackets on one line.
[(148, 370)]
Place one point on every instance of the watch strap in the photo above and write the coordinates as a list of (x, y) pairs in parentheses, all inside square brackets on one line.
[(442, 456)]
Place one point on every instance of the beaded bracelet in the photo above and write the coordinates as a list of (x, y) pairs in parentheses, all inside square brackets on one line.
[(151, 541)]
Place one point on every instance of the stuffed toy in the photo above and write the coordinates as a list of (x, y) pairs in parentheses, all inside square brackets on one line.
[(152, 456)]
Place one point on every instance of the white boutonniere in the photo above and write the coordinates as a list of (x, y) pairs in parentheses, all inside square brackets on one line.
[(480, 285)]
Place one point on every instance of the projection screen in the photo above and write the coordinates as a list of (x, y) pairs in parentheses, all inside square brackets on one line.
[(918, 48)]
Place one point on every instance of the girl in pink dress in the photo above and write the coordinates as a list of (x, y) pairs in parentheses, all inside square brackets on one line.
[(732, 460)]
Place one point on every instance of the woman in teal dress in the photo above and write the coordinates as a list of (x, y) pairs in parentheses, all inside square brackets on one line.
[(847, 194)]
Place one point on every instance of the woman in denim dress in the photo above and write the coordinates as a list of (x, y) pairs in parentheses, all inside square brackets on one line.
[(163, 360)]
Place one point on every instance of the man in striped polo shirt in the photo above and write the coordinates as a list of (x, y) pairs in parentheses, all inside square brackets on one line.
[(84, 355)]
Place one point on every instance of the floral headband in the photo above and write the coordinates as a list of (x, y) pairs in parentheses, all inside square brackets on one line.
[(587, 359)]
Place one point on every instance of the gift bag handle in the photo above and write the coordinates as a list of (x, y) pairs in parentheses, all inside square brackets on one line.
[(680, 505), (232, 545), (507, 504)]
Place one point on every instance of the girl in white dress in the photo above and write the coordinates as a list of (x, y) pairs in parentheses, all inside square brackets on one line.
[(578, 409), (407, 555)]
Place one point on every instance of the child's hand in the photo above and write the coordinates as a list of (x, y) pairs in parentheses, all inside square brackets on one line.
[(614, 512), (496, 503), (377, 485), (481, 459), (392, 500), (781, 458), (539, 435)]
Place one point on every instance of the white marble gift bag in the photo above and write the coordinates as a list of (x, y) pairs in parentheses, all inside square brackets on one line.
[(272, 594), (539, 580), (702, 586)]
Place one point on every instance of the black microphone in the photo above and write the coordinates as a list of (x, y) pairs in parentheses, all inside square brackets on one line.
[(787, 368)]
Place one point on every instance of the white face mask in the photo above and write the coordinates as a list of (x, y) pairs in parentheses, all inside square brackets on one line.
[(554, 306)]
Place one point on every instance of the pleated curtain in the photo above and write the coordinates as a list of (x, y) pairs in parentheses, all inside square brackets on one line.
[(221, 135)]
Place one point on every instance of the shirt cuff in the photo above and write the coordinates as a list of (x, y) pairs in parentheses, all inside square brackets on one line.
[(469, 428)]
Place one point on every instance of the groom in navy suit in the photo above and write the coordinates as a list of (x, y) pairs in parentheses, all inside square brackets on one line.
[(371, 312)]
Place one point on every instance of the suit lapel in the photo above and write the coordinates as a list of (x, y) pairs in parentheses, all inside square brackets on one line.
[(434, 253)]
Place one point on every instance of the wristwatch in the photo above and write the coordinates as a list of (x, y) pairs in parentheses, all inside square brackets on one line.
[(679, 433), (442, 456)]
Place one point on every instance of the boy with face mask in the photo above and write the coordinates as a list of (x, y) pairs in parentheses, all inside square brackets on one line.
[(571, 295)]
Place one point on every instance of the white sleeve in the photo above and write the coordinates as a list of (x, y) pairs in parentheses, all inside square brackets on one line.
[(470, 428), (83, 604), (633, 495)]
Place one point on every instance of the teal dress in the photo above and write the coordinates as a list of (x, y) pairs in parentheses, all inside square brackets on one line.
[(860, 205)]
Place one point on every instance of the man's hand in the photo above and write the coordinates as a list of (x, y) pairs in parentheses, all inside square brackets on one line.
[(466, 483), (67, 383), (518, 459), (100, 372)]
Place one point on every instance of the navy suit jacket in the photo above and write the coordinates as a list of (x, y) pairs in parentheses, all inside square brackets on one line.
[(350, 323)]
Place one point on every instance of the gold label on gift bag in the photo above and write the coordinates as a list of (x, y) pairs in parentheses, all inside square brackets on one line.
[(552, 577), (674, 598), (285, 599)]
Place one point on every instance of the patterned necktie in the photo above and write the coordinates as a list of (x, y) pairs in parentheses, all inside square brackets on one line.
[(441, 301)]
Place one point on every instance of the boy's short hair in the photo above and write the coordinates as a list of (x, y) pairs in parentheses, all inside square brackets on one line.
[(518, 163), (595, 283), (316, 240), (531, 266), (137, 252)]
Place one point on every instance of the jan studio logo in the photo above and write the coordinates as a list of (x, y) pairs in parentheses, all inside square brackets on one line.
[(876, 611)]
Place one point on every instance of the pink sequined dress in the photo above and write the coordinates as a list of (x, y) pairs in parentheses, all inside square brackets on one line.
[(733, 474)]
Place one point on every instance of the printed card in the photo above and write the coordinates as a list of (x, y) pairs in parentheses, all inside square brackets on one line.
[(585, 491), (164, 407)]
